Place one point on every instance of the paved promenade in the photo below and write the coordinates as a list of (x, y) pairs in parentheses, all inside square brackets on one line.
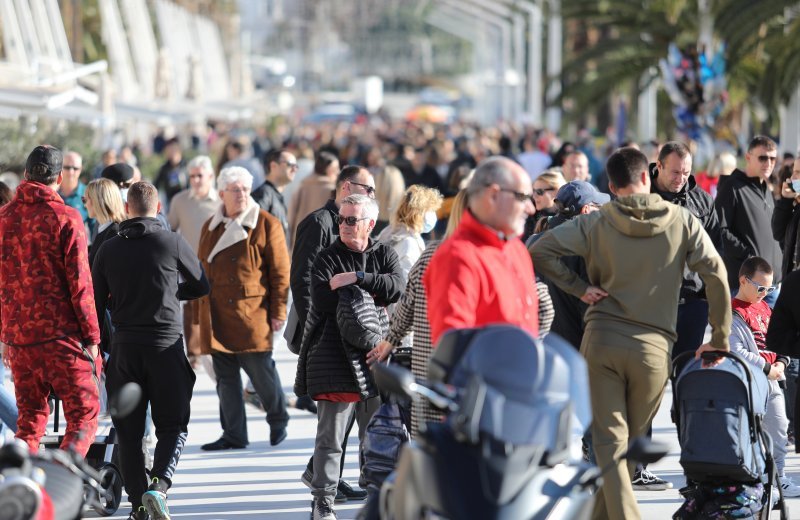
[(262, 482)]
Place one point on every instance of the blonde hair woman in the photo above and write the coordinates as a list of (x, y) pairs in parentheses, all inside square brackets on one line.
[(103, 203), (545, 188), (389, 190)]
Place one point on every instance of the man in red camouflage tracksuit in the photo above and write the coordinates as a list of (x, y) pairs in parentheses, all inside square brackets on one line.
[(48, 321)]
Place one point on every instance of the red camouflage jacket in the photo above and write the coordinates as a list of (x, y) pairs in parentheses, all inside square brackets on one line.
[(45, 280)]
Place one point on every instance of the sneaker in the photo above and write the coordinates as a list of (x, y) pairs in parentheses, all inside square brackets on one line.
[(155, 501), (645, 481), (789, 488), (322, 510), (139, 514)]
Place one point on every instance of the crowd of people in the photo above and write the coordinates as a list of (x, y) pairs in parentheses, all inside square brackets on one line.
[(362, 245)]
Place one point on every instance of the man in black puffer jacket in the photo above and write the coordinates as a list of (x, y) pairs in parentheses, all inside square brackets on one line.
[(672, 179), (325, 370)]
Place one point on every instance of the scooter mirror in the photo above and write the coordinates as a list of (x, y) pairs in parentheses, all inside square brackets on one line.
[(122, 403), (394, 380), (646, 451)]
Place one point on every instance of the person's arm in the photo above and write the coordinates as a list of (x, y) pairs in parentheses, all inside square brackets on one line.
[(79, 278), (386, 286), (173, 217), (306, 248), (703, 259), (781, 216), (195, 284), (276, 260), (100, 286), (725, 205), (325, 299), (546, 310), (783, 334), (711, 226), (568, 239), (739, 340)]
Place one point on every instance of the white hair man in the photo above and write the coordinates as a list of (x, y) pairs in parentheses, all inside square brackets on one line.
[(323, 373)]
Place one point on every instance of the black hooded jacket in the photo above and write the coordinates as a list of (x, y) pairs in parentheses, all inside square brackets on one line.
[(744, 206), (324, 365), (140, 269), (701, 205), (785, 229), (271, 201)]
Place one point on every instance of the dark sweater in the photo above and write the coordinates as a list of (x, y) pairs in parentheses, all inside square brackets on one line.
[(140, 269), (110, 231), (271, 201)]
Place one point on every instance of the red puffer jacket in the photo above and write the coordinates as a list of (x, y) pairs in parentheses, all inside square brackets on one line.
[(45, 281)]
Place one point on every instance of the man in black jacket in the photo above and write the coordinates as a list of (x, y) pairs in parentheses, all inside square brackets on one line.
[(140, 269), (324, 371), (314, 233), (744, 205), (280, 167), (783, 335), (672, 178)]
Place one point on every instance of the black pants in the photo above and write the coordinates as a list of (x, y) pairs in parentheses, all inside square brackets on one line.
[(690, 326), (167, 381)]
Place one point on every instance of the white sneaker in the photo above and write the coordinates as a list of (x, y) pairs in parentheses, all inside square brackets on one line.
[(790, 489)]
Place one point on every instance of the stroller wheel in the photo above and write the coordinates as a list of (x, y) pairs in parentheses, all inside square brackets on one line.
[(111, 494)]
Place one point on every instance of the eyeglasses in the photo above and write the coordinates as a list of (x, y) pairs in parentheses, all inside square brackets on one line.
[(291, 165), (765, 158), (370, 190), (766, 289), (240, 190), (76, 168), (520, 196), (540, 191), (196, 176), (350, 221)]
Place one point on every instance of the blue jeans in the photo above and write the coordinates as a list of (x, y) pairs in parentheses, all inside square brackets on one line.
[(8, 405), (260, 367)]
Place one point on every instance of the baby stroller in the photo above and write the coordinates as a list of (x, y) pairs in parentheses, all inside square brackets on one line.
[(725, 453), (103, 456)]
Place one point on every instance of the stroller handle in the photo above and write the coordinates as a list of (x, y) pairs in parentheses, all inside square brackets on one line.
[(683, 358)]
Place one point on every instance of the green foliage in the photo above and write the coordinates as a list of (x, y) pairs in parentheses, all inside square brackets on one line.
[(18, 138)]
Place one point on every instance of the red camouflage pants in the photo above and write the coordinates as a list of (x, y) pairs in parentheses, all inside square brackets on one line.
[(66, 366)]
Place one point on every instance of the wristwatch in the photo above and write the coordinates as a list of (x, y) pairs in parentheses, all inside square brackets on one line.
[(359, 277)]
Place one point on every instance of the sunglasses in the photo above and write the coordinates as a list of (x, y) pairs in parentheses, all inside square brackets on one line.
[(370, 190), (520, 196), (766, 289), (350, 221), (765, 158), (540, 191), (289, 164)]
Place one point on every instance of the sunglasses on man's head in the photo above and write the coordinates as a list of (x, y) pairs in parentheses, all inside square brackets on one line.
[(766, 289), (765, 158), (370, 189), (350, 221)]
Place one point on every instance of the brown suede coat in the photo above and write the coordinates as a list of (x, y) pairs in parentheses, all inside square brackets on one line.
[(249, 286)]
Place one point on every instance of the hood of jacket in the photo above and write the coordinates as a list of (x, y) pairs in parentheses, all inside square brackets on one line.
[(139, 227), (640, 215), (29, 192), (371, 246)]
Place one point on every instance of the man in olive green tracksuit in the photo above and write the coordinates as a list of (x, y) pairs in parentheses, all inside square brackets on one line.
[(635, 250)]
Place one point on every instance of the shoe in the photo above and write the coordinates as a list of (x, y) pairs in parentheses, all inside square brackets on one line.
[(155, 502), (322, 509), (277, 436), (253, 399), (306, 477), (221, 444), (306, 403), (349, 492), (645, 481), (789, 488), (139, 514)]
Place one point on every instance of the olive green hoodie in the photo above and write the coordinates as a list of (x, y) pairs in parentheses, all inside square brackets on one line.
[(635, 249)]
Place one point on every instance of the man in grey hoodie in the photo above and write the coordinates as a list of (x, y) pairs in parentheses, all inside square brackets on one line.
[(635, 249)]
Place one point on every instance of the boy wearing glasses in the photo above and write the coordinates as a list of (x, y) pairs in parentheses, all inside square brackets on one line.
[(751, 316), (744, 205)]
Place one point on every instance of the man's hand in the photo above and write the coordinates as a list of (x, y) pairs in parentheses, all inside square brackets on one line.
[(276, 324), (379, 353), (342, 279), (708, 348), (787, 192), (94, 350), (593, 295), (776, 371)]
